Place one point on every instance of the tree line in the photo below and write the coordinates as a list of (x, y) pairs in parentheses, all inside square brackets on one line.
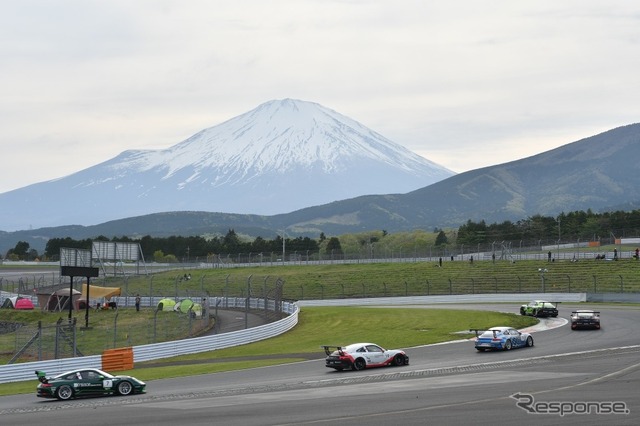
[(179, 248), (574, 226), (567, 227)]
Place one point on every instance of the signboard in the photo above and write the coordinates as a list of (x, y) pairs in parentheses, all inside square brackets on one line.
[(114, 251)]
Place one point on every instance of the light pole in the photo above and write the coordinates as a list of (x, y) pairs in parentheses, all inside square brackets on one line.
[(559, 237), (542, 272), (284, 236)]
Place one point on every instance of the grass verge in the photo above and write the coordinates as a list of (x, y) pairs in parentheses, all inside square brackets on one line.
[(390, 327)]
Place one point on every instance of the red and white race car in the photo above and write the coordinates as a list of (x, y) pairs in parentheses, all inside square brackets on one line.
[(359, 356)]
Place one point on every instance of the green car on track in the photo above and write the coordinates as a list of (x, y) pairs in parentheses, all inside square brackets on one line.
[(86, 382), (540, 308)]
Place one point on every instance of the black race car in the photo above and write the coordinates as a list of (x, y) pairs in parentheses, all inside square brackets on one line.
[(86, 382), (585, 318)]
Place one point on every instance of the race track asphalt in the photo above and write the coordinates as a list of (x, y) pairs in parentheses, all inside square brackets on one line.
[(445, 384)]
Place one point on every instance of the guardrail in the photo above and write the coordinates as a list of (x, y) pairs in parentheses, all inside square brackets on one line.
[(460, 298), (26, 371)]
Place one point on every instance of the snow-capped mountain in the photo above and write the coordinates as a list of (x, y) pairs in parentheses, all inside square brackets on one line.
[(282, 156)]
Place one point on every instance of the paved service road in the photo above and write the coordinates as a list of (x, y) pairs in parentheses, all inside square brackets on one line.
[(445, 384)]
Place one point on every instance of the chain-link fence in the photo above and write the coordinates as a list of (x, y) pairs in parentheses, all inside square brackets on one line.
[(109, 328), (136, 318)]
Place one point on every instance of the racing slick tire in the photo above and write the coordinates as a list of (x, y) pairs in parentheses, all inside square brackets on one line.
[(507, 345), (480, 349), (64, 393), (535, 313), (398, 360), (522, 311), (359, 364), (529, 341), (124, 388)]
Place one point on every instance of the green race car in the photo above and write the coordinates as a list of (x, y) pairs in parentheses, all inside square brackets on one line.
[(540, 308), (86, 382)]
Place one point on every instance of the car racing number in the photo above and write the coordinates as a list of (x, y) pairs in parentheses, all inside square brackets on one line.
[(107, 384)]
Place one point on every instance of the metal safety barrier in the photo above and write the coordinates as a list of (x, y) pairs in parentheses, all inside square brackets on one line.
[(26, 371)]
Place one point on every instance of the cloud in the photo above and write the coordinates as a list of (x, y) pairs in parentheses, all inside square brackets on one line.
[(464, 83)]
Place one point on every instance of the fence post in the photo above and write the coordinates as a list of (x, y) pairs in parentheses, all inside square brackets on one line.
[(155, 324), (115, 328), (58, 325), (39, 340), (75, 328), (264, 291)]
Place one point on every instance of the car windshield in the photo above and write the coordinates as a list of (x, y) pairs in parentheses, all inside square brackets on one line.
[(585, 314)]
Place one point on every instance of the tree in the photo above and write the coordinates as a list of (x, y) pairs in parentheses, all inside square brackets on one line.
[(231, 242), (441, 239), (333, 246), (21, 250)]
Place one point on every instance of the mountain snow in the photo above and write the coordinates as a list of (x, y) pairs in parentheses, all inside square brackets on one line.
[(281, 156)]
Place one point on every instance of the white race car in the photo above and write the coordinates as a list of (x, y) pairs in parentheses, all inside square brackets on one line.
[(359, 356)]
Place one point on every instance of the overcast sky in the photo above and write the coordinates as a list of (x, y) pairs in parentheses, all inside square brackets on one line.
[(465, 83)]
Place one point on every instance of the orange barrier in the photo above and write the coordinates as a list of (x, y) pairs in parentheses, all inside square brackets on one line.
[(117, 359)]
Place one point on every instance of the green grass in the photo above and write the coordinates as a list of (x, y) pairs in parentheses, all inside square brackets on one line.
[(389, 327), (330, 281), (108, 329)]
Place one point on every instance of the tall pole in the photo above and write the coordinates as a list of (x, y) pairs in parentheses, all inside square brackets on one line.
[(284, 236), (70, 301), (86, 304)]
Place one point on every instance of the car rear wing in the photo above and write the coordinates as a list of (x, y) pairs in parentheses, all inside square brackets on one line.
[(592, 312), (328, 349), (42, 376), (479, 331)]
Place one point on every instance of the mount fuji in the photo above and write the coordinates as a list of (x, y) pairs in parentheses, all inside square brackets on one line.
[(282, 156)]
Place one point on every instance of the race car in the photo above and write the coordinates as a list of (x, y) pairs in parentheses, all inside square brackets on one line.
[(86, 382), (540, 308), (359, 356), (585, 318), (501, 338)]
